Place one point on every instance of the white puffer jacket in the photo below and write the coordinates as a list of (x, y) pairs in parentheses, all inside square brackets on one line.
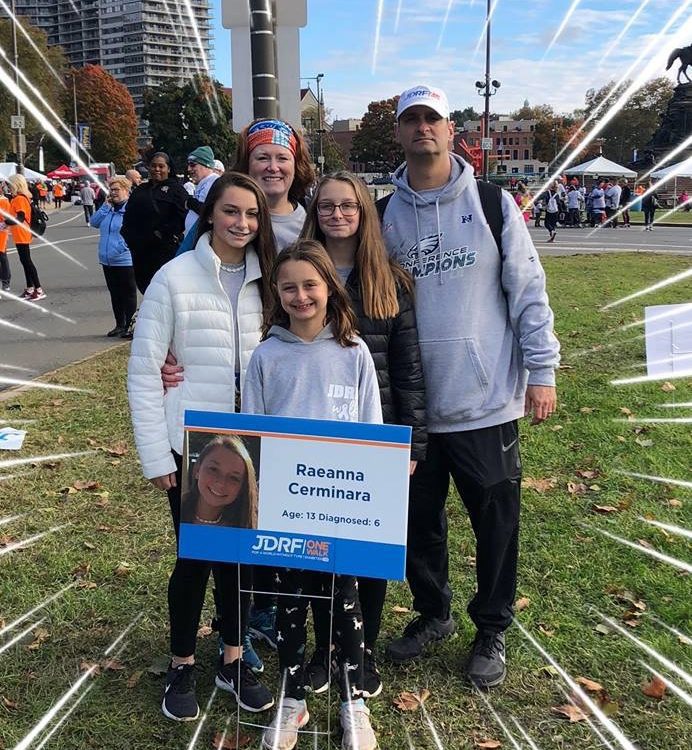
[(186, 310)]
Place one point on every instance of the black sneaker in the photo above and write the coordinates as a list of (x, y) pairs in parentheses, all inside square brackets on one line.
[(250, 693), (418, 634), (372, 683), (317, 672), (179, 701), (486, 667)]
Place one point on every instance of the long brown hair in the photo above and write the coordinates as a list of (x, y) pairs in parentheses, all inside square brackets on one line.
[(304, 173), (378, 274), (339, 312), (263, 243), (243, 511)]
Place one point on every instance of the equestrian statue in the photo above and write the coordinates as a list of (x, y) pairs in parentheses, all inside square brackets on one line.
[(684, 54)]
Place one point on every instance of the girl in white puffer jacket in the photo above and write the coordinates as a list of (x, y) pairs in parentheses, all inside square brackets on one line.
[(204, 306)]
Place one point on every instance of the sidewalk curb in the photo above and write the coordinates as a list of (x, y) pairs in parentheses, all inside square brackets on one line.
[(17, 389)]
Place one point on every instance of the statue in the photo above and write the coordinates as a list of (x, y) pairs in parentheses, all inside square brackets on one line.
[(684, 54)]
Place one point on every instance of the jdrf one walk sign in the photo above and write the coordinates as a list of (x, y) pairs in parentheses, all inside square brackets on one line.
[(297, 493)]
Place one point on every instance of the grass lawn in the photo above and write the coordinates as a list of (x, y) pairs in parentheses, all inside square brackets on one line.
[(117, 549), (679, 217)]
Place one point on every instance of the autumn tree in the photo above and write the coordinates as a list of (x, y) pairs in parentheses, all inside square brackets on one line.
[(375, 144), (39, 75), (197, 113), (460, 116), (105, 105)]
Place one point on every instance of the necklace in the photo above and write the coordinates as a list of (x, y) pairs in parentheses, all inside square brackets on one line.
[(204, 520), (233, 267)]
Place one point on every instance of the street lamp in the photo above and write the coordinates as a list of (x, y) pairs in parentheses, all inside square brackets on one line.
[(320, 131), (486, 89)]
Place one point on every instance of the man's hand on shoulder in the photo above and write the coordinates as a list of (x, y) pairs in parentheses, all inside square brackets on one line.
[(541, 401)]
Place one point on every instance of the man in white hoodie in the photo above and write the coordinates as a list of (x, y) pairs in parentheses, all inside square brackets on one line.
[(489, 357)]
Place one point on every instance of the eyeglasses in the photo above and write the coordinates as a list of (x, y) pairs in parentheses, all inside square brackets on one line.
[(347, 208)]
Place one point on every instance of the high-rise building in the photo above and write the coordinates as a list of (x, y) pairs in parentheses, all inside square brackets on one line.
[(141, 43)]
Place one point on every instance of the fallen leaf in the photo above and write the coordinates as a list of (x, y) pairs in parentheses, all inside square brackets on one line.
[(86, 585), (675, 503), (549, 669), (625, 503), (569, 711), (61, 439), (118, 448), (645, 543), (112, 665), (644, 442), (587, 473), (621, 439), (41, 635), (605, 508), (589, 685), (230, 741), (407, 701), (608, 706), (85, 666), (632, 622), (655, 688), (470, 560), (92, 442), (134, 678), (159, 666), (103, 528), (624, 410), (539, 485), (546, 630), (58, 402), (556, 427), (68, 491), (586, 409), (489, 744), (667, 387), (204, 631), (576, 488), (522, 603), (115, 462), (86, 485), (89, 545), (602, 629), (9, 703), (595, 487), (400, 610), (82, 570)]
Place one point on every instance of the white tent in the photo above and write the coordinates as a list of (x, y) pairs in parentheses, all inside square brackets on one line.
[(685, 168), (600, 167), (8, 168)]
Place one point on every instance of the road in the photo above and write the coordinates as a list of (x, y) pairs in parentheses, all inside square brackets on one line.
[(80, 294)]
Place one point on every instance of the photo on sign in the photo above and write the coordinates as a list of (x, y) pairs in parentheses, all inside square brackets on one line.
[(220, 480)]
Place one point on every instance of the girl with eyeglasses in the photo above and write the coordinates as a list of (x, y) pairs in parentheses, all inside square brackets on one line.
[(343, 217)]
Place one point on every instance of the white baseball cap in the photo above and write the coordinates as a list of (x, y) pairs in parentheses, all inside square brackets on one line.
[(425, 96), (218, 165)]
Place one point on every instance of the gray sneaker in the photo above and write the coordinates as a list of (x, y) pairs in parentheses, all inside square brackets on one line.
[(419, 633), (486, 667), (355, 721), (282, 733)]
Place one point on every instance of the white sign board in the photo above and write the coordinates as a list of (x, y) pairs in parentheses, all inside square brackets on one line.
[(487, 144), (668, 339)]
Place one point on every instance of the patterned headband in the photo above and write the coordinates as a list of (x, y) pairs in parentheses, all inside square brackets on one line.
[(272, 131)]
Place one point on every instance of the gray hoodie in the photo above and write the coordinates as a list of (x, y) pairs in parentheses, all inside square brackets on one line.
[(485, 325), (319, 379)]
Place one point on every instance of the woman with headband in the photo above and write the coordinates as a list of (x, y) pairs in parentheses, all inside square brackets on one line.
[(277, 157)]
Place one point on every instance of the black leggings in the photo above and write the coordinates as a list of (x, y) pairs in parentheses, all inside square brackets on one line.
[(121, 285), (88, 212), (5, 274), (551, 220), (30, 272), (187, 586), (649, 214)]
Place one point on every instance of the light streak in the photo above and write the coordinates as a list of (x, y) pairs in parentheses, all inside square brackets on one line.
[(34, 306), (680, 564), (666, 361), (16, 327), (683, 404), (15, 20), (484, 31), (38, 607), (6, 477), (667, 663), (668, 157), (4, 522), (673, 210), (225, 732), (662, 480), (609, 725), (652, 378), (200, 723), (657, 420), (524, 733), (444, 23), (685, 697), (674, 631), (497, 718), (29, 540), (6, 464), (39, 384), (431, 727), (653, 288), (681, 309), (16, 367), (123, 634), (397, 17), (592, 726), (19, 636), (561, 27), (205, 62), (668, 527), (624, 30), (64, 717), (45, 720), (378, 28)]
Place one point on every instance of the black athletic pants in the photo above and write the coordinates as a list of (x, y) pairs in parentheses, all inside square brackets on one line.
[(88, 212), (649, 214), (121, 285), (188, 584), (30, 272), (486, 470), (5, 273)]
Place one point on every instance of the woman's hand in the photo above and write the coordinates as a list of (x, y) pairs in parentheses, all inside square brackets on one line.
[(412, 467), (171, 372), (165, 483)]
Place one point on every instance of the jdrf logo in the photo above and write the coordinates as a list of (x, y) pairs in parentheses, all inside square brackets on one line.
[(466, 218), (285, 544)]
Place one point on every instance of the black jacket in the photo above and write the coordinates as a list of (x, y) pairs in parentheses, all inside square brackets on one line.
[(393, 344)]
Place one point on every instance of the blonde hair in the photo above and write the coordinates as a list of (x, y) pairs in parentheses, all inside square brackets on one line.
[(123, 182), (18, 185)]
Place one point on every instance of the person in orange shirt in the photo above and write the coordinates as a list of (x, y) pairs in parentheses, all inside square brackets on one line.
[(5, 211), (58, 194), (20, 208), (42, 193)]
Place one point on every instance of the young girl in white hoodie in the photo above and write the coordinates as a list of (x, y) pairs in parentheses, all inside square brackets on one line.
[(309, 346), (206, 307)]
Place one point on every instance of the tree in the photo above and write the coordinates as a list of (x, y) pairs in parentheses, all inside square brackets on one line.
[(633, 126), (374, 144), (181, 118), (106, 106), (460, 116), (37, 72)]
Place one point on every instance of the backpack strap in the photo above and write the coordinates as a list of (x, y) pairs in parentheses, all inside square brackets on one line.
[(491, 202), (381, 205)]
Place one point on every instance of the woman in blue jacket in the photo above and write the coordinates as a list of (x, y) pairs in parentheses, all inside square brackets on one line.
[(114, 256)]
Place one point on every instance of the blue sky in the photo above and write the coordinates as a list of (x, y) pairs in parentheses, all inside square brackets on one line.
[(415, 46)]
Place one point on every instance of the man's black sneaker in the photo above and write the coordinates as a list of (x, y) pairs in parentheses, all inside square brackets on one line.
[(486, 667), (179, 701), (418, 634), (250, 693), (372, 682), (317, 671)]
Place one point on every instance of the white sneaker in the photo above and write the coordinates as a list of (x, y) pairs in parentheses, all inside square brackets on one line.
[(355, 721), (282, 733)]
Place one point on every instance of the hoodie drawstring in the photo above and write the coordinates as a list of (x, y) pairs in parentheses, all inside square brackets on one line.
[(439, 240)]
